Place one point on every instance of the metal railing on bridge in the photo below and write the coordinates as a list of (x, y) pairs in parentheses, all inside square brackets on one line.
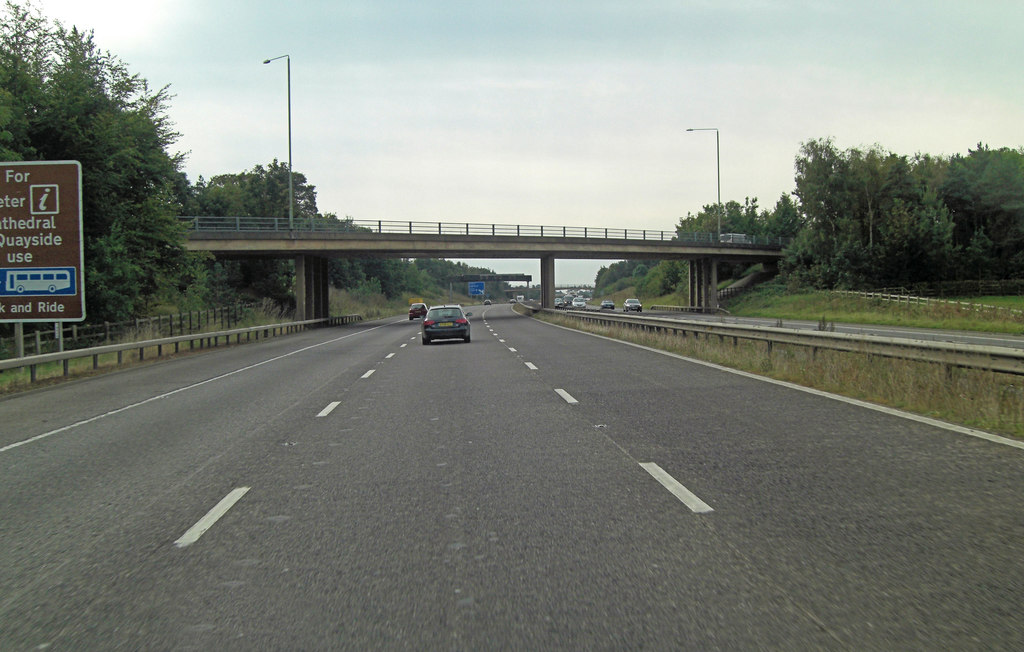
[(410, 227)]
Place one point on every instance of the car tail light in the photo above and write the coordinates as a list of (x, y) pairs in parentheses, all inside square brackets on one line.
[(461, 320), (429, 322)]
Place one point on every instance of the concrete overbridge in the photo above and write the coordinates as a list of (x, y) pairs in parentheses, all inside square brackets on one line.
[(312, 242)]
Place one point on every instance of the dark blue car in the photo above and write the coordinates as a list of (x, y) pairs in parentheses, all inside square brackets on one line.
[(445, 323)]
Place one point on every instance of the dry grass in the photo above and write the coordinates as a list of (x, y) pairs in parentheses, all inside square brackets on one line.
[(977, 399)]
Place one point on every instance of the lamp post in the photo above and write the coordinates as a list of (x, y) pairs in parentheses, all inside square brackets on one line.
[(718, 167), (291, 192)]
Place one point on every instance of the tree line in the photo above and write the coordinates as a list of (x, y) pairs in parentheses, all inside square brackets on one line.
[(871, 218)]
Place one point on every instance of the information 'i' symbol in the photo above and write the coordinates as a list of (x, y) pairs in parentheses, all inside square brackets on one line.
[(42, 200)]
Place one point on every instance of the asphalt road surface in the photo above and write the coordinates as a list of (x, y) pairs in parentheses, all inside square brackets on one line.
[(538, 488)]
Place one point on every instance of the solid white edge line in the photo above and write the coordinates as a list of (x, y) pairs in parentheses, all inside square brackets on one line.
[(212, 516), (687, 497), (367, 374), (944, 425), (531, 366), (4, 449), (566, 396), (330, 408)]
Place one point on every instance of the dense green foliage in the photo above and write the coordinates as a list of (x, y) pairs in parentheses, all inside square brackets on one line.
[(875, 218), (872, 218), (61, 98)]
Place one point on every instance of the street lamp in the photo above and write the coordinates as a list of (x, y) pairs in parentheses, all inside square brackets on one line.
[(718, 165), (291, 192)]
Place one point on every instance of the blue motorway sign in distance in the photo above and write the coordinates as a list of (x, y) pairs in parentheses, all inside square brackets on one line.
[(476, 288)]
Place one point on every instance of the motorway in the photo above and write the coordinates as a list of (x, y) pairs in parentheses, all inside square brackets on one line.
[(537, 488)]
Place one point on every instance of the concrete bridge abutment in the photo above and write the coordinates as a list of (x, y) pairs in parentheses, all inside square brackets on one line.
[(547, 281), (704, 284), (312, 299)]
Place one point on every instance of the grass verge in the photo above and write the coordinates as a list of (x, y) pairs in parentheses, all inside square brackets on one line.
[(817, 306), (983, 400)]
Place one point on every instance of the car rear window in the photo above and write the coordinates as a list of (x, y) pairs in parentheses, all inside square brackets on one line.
[(445, 314)]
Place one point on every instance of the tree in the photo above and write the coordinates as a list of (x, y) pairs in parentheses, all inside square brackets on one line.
[(62, 98), (984, 192), (785, 220), (872, 218)]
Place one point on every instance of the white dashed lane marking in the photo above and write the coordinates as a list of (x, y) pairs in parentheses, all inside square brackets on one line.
[(566, 396), (206, 522), (330, 408), (687, 497)]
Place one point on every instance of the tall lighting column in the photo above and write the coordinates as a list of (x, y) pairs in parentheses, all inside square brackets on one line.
[(718, 167), (291, 192)]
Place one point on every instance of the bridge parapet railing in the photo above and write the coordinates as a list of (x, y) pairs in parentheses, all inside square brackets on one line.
[(413, 227)]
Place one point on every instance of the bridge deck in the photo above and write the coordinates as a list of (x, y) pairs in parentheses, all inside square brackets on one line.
[(238, 236)]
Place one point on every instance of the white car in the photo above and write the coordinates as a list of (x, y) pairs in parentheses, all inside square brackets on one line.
[(579, 302)]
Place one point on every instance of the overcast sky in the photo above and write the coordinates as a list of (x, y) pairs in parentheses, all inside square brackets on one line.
[(563, 112)]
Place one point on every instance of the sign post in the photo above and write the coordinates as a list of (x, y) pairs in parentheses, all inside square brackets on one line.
[(41, 244)]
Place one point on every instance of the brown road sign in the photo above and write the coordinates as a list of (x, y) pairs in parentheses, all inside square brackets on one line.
[(41, 261)]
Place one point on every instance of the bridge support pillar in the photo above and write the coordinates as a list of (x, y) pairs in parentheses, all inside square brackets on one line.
[(704, 284), (547, 282), (311, 284)]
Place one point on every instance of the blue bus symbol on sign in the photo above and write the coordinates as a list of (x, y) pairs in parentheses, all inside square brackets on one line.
[(476, 288), (38, 281)]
